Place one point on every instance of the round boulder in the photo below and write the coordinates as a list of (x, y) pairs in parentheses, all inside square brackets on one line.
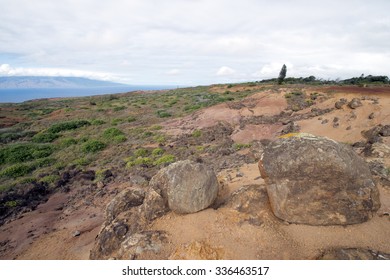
[(317, 181), (187, 186)]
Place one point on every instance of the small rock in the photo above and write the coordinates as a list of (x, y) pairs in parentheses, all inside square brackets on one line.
[(336, 124), (325, 121), (239, 174), (335, 119), (385, 131), (76, 233), (371, 116), (348, 128), (355, 103)]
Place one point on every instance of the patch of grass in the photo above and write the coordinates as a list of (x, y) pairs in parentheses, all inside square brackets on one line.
[(97, 122), (93, 146), (238, 146), (131, 119), (197, 133), (120, 108), (17, 170), (143, 161), (12, 203), (119, 139), (67, 142), (24, 152), (50, 179), (70, 125), (165, 159), (163, 114), (45, 137), (156, 127), (141, 152), (43, 162), (116, 121), (157, 152), (112, 132)]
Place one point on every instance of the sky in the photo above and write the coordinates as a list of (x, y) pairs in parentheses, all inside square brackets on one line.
[(194, 42)]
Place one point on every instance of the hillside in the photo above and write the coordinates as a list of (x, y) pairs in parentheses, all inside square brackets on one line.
[(25, 82), (62, 161)]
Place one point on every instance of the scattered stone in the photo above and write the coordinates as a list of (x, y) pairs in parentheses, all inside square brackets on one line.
[(335, 119), (187, 186), (139, 244), (317, 181), (325, 121), (380, 150), (76, 233), (371, 116), (348, 128), (290, 128), (239, 174), (355, 103), (353, 254)]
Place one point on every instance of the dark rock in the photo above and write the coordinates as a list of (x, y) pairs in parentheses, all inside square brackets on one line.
[(335, 119), (348, 128), (88, 175), (353, 254), (373, 135), (292, 127), (325, 121), (355, 103), (317, 181), (336, 124), (385, 131), (187, 186), (371, 116)]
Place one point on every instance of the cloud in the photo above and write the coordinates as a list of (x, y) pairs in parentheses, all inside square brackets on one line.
[(225, 71), (139, 40), (7, 70), (173, 72)]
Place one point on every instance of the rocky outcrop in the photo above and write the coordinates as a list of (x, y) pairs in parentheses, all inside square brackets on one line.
[(188, 186), (355, 103), (317, 181)]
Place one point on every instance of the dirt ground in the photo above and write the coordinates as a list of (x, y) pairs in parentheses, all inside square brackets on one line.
[(62, 228)]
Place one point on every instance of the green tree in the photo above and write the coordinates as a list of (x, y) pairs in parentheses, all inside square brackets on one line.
[(282, 74)]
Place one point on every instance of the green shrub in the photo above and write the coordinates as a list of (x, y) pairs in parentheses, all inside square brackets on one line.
[(43, 162), (82, 161), (156, 127), (16, 170), (111, 132), (116, 121), (50, 179), (97, 122), (12, 203), (197, 133), (140, 161), (165, 160), (24, 152), (238, 146), (67, 142), (157, 152), (119, 139), (141, 152), (93, 146), (120, 108), (45, 137), (160, 139), (70, 125), (163, 114)]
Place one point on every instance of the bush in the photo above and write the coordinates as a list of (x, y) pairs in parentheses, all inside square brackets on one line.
[(120, 108), (16, 170), (141, 152), (119, 139), (131, 119), (238, 146), (24, 152), (97, 122), (163, 114), (165, 160), (70, 125), (45, 137), (157, 152), (81, 162), (110, 133), (50, 179), (197, 133), (67, 142), (93, 146)]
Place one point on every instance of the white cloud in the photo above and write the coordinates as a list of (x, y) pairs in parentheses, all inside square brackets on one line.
[(7, 70), (173, 72), (225, 71)]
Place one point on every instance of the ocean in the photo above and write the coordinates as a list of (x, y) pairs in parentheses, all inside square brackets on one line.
[(21, 95)]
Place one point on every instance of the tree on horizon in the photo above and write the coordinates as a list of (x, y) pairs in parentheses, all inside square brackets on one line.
[(282, 74)]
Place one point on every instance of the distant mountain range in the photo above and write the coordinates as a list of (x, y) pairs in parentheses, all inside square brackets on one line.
[(52, 82)]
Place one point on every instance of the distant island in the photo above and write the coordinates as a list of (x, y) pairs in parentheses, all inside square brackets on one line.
[(25, 82)]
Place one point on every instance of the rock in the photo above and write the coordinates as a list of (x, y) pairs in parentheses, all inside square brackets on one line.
[(336, 124), (339, 104), (290, 128), (373, 135), (325, 121), (371, 116), (353, 254), (336, 119), (76, 233), (380, 150), (355, 103), (348, 128), (146, 242), (197, 251), (317, 181), (187, 186), (251, 200), (155, 205), (385, 131), (125, 200)]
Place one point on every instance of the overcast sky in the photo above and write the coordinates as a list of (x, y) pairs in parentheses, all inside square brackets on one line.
[(190, 42)]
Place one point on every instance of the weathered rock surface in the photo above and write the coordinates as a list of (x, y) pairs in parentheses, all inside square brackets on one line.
[(188, 186), (197, 251), (355, 103), (353, 254), (317, 181)]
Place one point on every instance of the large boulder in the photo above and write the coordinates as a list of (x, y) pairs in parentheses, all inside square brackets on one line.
[(317, 181), (188, 186)]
